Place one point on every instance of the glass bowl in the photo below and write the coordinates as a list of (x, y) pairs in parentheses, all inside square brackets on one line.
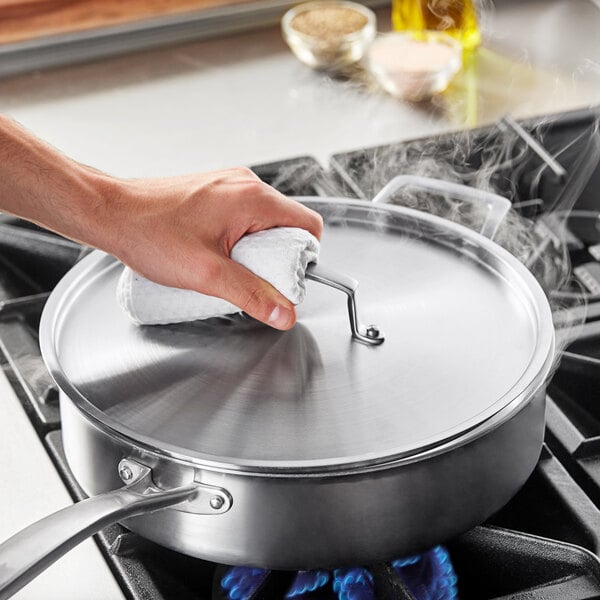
[(324, 48), (414, 65)]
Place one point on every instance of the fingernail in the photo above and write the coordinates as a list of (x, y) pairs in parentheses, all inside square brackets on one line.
[(281, 317)]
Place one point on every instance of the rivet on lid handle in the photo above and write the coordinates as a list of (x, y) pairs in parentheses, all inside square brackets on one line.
[(371, 335)]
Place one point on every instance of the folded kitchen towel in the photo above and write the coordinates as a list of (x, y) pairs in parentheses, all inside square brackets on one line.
[(279, 255)]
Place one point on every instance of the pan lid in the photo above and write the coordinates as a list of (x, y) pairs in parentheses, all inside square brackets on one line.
[(468, 337)]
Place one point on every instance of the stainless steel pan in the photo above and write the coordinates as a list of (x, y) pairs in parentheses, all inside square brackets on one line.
[(232, 442)]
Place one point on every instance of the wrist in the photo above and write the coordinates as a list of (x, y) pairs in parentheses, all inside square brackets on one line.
[(102, 210)]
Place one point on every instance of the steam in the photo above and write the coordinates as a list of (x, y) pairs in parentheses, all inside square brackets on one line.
[(534, 231), (539, 243)]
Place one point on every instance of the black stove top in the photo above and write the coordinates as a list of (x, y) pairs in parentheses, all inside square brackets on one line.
[(545, 543)]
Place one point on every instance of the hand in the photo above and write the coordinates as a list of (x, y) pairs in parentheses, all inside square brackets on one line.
[(179, 231)]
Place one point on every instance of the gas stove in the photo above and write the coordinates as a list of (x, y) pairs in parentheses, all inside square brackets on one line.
[(545, 543)]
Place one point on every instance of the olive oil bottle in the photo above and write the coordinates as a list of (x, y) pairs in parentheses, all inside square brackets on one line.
[(458, 18)]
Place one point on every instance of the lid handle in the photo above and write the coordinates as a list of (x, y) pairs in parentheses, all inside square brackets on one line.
[(371, 335), (498, 206)]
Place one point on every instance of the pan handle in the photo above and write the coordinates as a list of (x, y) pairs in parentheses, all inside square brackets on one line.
[(498, 206), (26, 554)]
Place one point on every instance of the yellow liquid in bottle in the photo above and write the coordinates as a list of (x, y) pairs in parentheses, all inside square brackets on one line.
[(457, 18)]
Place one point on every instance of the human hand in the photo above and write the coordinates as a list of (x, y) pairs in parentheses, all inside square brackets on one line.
[(179, 231)]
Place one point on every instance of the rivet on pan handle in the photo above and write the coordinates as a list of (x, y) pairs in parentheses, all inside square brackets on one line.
[(371, 335), (207, 500), (29, 552)]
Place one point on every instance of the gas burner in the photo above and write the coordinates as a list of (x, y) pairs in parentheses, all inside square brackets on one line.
[(422, 577)]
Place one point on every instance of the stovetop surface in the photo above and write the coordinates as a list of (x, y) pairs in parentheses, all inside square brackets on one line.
[(545, 543)]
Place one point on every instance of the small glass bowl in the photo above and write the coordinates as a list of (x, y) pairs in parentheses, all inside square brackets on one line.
[(331, 54), (407, 79)]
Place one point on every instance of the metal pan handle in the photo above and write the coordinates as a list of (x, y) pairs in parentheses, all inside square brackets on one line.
[(26, 554), (497, 206)]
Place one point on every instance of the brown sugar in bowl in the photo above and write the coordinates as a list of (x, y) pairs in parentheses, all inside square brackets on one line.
[(329, 34)]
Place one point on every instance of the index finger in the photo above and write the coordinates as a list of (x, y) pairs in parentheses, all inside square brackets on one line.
[(286, 212)]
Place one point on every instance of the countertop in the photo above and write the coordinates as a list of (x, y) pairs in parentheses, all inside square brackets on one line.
[(244, 99), (32, 489)]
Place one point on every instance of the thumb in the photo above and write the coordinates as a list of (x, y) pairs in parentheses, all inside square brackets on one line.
[(254, 296)]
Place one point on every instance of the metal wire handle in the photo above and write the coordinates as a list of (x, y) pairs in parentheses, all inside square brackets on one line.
[(371, 334)]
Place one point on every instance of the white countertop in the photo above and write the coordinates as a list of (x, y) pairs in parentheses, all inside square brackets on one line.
[(32, 489)]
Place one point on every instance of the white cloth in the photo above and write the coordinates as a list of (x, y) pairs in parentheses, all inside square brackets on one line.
[(279, 255)]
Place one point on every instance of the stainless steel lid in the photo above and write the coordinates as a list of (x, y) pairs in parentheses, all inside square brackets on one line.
[(468, 337)]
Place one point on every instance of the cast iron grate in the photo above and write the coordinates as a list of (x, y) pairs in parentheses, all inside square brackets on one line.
[(302, 176)]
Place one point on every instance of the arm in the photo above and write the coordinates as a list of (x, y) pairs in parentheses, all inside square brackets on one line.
[(177, 231)]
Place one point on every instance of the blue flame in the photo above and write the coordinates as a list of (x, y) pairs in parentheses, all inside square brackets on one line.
[(241, 582), (306, 582), (353, 584), (428, 576)]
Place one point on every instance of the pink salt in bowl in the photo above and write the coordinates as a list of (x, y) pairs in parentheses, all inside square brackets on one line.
[(414, 65)]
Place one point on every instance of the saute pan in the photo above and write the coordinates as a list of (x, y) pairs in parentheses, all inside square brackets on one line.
[(328, 445)]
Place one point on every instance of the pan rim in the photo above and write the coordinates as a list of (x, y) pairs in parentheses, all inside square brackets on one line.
[(526, 386)]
